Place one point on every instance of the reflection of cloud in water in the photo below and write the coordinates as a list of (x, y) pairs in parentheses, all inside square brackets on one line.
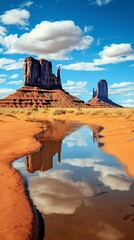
[(107, 232), (78, 138), (115, 182), (112, 177), (54, 192), (82, 162)]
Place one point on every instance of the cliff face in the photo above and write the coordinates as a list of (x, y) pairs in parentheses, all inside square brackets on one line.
[(102, 90), (39, 73)]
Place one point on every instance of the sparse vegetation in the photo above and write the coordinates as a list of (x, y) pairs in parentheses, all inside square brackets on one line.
[(42, 113), (58, 112)]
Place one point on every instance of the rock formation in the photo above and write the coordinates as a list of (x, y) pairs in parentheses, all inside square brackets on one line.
[(41, 88), (39, 73), (102, 90), (100, 97)]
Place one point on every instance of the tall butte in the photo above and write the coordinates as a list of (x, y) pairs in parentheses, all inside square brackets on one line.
[(100, 97), (41, 88)]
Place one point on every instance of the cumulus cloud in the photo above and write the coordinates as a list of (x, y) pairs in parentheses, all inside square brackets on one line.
[(50, 40), (3, 31), (112, 177), (113, 54), (11, 64), (116, 50), (19, 82), (115, 182), (5, 92), (15, 17), (124, 88), (76, 88), (99, 2), (58, 193)]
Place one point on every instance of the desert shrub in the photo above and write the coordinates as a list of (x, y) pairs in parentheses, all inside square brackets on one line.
[(34, 108), (58, 112), (79, 112), (118, 112), (28, 113), (70, 111), (44, 110)]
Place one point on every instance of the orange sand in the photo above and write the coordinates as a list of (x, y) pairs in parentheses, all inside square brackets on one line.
[(16, 139), (17, 218)]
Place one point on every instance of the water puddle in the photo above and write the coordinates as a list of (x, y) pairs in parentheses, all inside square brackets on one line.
[(82, 192)]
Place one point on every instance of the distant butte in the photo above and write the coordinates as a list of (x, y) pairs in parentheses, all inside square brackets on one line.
[(41, 88), (100, 97)]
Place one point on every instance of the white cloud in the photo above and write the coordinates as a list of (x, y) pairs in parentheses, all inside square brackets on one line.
[(14, 76), (19, 82), (74, 139), (98, 42), (2, 80), (82, 66), (116, 50), (88, 28), (112, 177), (99, 2), (5, 92), (115, 182), (82, 162), (113, 54), (26, 4), (107, 232), (15, 17), (11, 64), (123, 88), (50, 40), (122, 85), (76, 88), (3, 75), (70, 195), (128, 102), (3, 31)]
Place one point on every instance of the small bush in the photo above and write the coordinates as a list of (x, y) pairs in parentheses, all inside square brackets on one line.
[(28, 113), (79, 112), (34, 108), (70, 111), (59, 112)]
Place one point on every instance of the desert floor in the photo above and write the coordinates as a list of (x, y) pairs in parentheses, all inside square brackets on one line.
[(18, 127)]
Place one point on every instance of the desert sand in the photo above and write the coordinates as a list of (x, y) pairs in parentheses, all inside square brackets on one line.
[(18, 219)]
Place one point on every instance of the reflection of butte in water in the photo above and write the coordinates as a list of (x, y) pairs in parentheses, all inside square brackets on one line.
[(51, 142)]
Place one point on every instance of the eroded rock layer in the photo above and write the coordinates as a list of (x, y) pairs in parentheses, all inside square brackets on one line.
[(37, 97)]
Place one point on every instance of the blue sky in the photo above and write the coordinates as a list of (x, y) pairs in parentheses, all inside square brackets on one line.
[(89, 39)]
